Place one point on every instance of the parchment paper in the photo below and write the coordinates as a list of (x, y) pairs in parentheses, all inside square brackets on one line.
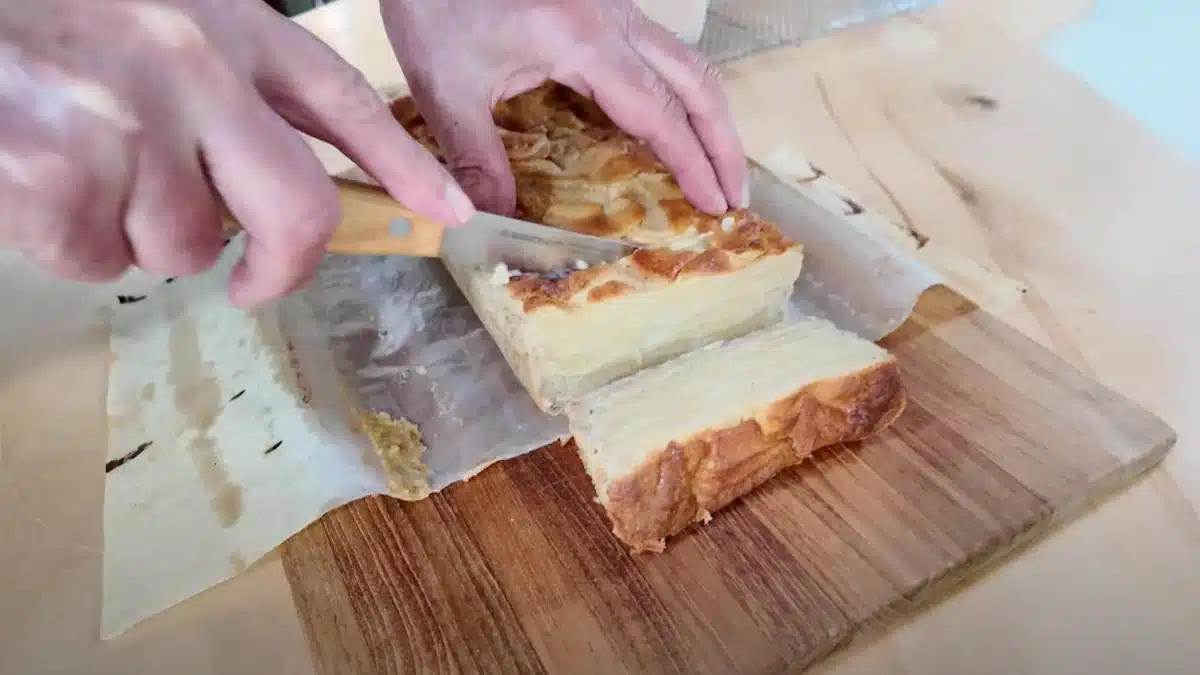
[(245, 421)]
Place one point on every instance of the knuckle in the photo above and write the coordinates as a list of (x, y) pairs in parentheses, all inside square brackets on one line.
[(171, 35), (193, 256), (711, 81), (555, 19), (190, 255), (672, 109), (168, 27), (51, 238), (97, 261), (74, 248), (102, 102), (710, 89), (191, 245), (710, 75), (703, 84), (50, 173), (347, 90), (53, 199)]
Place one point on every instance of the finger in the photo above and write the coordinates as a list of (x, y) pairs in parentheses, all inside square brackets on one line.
[(698, 86), (172, 220), (63, 187), (320, 94), (67, 241), (276, 189), (643, 104), (460, 118)]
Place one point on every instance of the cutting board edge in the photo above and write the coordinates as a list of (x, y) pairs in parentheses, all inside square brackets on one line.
[(941, 304), (938, 591)]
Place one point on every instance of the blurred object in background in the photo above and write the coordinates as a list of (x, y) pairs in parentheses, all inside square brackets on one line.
[(736, 29), (740, 28)]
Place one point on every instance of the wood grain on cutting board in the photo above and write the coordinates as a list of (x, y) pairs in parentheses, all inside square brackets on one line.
[(516, 572)]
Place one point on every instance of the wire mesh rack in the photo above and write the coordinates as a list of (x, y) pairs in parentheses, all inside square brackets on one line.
[(738, 28)]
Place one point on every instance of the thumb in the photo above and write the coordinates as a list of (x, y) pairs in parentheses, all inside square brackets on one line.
[(474, 153)]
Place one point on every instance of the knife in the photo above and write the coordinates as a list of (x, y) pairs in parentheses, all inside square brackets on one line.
[(375, 224)]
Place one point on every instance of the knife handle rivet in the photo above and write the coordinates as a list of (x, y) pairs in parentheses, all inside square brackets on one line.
[(400, 227)]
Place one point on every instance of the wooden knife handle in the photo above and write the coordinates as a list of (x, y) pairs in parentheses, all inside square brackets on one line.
[(375, 224)]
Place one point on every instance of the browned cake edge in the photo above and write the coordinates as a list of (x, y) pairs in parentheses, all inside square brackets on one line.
[(739, 238), (689, 480)]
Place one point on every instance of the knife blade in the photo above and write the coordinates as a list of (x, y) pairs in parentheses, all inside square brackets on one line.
[(489, 239), (375, 224)]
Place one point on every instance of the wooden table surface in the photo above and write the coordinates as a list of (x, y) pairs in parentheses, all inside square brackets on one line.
[(1073, 197)]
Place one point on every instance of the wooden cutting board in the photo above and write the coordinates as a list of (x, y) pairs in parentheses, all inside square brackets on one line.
[(516, 571)]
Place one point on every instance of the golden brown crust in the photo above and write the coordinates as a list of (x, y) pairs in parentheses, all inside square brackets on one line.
[(576, 170), (689, 480), (608, 289)]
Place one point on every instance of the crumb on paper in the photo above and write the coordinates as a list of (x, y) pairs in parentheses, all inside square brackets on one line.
[(399, 446), (502, 274), (499, 274)]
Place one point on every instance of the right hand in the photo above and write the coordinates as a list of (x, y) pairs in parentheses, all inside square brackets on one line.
[(123, 123), (462, 57)]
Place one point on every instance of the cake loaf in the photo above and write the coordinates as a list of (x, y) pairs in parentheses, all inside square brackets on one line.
[(669, 446), (695, 278)]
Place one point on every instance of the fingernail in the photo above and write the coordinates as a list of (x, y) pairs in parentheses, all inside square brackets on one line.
[(744, 199), (459, 203)]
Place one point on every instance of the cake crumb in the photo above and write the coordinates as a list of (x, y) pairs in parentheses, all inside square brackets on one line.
[(727, 224), (500, 275), (401, 450)]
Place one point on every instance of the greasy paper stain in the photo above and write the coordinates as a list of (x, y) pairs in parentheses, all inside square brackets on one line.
[(237, 562), (962, 189), (198, 397), (275, 345), (148, 392)]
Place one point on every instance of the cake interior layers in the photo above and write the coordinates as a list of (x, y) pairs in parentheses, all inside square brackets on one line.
[(561, 354), (671, 444)]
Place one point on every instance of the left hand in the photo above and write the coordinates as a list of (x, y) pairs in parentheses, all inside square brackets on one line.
[(461, 57)]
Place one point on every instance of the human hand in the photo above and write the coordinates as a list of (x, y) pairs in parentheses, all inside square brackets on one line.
[(462, 57), (123, 121)]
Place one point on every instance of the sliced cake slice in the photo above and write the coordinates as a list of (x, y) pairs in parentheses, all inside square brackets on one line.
[(670, 445), (696, 278)]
